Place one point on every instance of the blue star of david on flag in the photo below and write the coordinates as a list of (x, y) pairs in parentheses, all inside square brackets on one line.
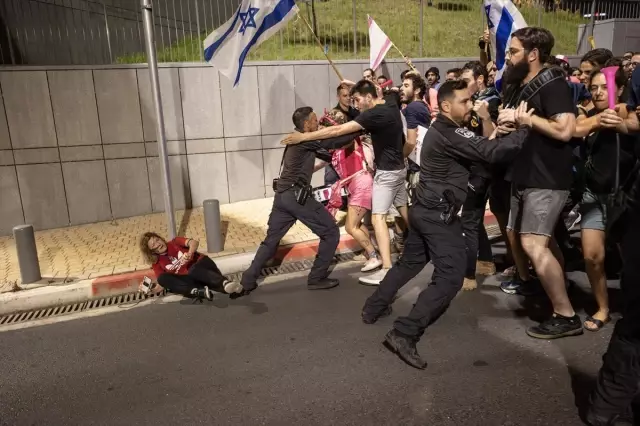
[(254, 21), (248, 19), (487, 10)]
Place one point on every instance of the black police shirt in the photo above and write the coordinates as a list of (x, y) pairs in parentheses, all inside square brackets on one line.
[(298, 160), (384, 123), (544, 162)]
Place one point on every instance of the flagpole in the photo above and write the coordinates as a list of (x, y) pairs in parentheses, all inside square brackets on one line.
[(326, 55), (407, 60)]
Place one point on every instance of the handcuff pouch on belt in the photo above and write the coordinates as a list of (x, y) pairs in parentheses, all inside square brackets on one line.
[(449, 201)]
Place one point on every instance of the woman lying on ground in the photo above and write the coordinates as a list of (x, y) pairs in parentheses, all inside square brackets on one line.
[(180, 269)]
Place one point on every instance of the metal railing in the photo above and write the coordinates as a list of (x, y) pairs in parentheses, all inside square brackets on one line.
[(74, 32)]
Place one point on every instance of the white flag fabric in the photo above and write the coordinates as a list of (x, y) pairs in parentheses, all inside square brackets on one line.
[(227, 47), (379, 42), (503, 18), (415, 154)]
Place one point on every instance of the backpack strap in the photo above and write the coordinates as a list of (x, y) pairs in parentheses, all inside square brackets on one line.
[(543, 78)]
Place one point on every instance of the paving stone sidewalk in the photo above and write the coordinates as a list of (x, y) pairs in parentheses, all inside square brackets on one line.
[(108, 248)]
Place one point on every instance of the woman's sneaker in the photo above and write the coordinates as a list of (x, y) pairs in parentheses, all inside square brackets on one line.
[(374, 262), (557, 326), (231, 287), (200, 294)]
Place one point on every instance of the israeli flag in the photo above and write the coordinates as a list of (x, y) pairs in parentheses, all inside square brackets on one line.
[(227, 47), (503, 19)]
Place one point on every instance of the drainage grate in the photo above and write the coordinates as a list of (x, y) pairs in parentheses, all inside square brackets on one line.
[(136, 297)]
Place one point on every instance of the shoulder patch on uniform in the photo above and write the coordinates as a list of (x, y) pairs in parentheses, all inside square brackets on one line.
[(465, 133)]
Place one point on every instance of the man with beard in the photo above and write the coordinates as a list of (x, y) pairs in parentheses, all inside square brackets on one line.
[(435, 230), (485, 112), (416, 114), (433, 77), (381, 118), (541, 175)]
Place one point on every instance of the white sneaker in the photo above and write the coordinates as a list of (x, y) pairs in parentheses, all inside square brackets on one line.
[(375, 278), (371, 264), (232, 287)]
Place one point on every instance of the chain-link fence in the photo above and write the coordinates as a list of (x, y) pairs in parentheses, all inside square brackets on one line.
[(72, 32)]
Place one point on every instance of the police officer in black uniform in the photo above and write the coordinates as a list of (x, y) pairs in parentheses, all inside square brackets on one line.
[(293, 201), (435, 234)]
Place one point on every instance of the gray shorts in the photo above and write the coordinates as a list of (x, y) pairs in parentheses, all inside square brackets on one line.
[(535, 211), (389, 189), (593, 210)]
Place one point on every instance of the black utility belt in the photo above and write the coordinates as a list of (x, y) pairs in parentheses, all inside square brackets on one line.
[(301, 190)]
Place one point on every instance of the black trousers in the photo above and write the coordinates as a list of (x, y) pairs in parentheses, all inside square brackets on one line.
[(430, 239), (286, 211), (204, 273), (475, 235), (619, 378)]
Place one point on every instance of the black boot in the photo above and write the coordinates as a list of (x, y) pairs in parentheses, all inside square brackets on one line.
[(323, 284), (405, 347)]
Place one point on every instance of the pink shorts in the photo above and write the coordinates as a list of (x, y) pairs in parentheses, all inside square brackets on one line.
[(360, 188)]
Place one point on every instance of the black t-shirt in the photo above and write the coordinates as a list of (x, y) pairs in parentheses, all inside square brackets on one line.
[(384, 123), (544, 162), (600, 163)]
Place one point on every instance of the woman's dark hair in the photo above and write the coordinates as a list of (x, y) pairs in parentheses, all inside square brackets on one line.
[(620, 77), (148, 255), (300, 116), (536, 38), (597, 57)]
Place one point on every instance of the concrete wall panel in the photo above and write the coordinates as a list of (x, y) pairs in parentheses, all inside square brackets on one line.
[(87, 192), (179, 183), (171, 104), (118, 105), (43, 195), (28, 109), (173, 148), (11, 205), (208, 177), (74, 107), (308, 78), (36, 155), (128, 150), (241, 105), (128, 187), (246, 175), (203, 146), (277, 98), (81, 153), (6, 158), (5, 140), (246, 143), (201, 103)]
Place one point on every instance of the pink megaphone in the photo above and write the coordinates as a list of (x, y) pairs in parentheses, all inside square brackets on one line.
[(610, 78)]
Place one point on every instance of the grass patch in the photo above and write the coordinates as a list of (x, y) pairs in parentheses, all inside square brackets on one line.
[(451, 29)]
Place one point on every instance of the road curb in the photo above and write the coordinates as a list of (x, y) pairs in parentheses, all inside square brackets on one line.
[(114, 285)]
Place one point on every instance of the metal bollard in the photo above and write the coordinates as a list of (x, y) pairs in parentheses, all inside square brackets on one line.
[(27, 253), (213, 226)]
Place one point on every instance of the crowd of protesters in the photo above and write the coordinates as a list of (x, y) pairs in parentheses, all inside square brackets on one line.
[(576, 165)]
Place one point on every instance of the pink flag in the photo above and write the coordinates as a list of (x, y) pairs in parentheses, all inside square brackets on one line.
[(380, 44)]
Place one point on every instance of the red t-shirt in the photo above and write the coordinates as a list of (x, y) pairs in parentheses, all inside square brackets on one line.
[(169, 262)]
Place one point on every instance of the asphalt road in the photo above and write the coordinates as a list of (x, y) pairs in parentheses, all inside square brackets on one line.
[(288, 356)]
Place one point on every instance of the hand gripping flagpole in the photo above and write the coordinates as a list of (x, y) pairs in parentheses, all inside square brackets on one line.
[(335, 69), (157, 102), (407, 60)]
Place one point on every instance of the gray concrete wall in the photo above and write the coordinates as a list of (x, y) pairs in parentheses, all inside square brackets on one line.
[(617, 35), (78, 144)]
